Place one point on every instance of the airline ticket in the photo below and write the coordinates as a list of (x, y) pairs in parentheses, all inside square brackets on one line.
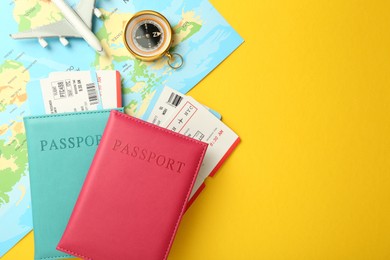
[(166, 105), (183, 114), (75, 91)]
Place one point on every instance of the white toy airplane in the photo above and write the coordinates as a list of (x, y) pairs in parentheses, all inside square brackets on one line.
[(77, 23)]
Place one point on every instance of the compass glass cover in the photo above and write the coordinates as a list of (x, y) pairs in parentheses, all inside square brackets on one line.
[(148, 35)]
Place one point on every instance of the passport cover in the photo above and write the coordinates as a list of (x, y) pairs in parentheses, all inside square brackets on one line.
[(60, 150), (135, 193)]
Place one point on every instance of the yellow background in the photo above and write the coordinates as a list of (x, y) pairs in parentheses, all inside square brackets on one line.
[(309, 94)]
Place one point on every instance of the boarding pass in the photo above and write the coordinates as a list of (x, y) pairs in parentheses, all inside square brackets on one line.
[(166, 105), (80, 91), (183, 114)]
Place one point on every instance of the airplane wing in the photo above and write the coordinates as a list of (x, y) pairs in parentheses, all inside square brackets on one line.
[(85, 9), (62, 28)]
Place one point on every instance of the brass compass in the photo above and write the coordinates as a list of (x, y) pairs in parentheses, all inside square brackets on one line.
[(149, 36)]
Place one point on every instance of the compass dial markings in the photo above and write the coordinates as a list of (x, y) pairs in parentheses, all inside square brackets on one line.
[(148, 35)]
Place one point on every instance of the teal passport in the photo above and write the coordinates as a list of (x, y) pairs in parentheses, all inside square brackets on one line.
[(60, 150)]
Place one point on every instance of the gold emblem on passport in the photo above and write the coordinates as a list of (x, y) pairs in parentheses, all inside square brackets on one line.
[(149, 36)]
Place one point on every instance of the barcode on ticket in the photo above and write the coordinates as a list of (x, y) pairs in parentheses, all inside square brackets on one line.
[(92, 94), (174, 99)]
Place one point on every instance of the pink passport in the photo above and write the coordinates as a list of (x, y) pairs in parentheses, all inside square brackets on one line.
[(135, 193)]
